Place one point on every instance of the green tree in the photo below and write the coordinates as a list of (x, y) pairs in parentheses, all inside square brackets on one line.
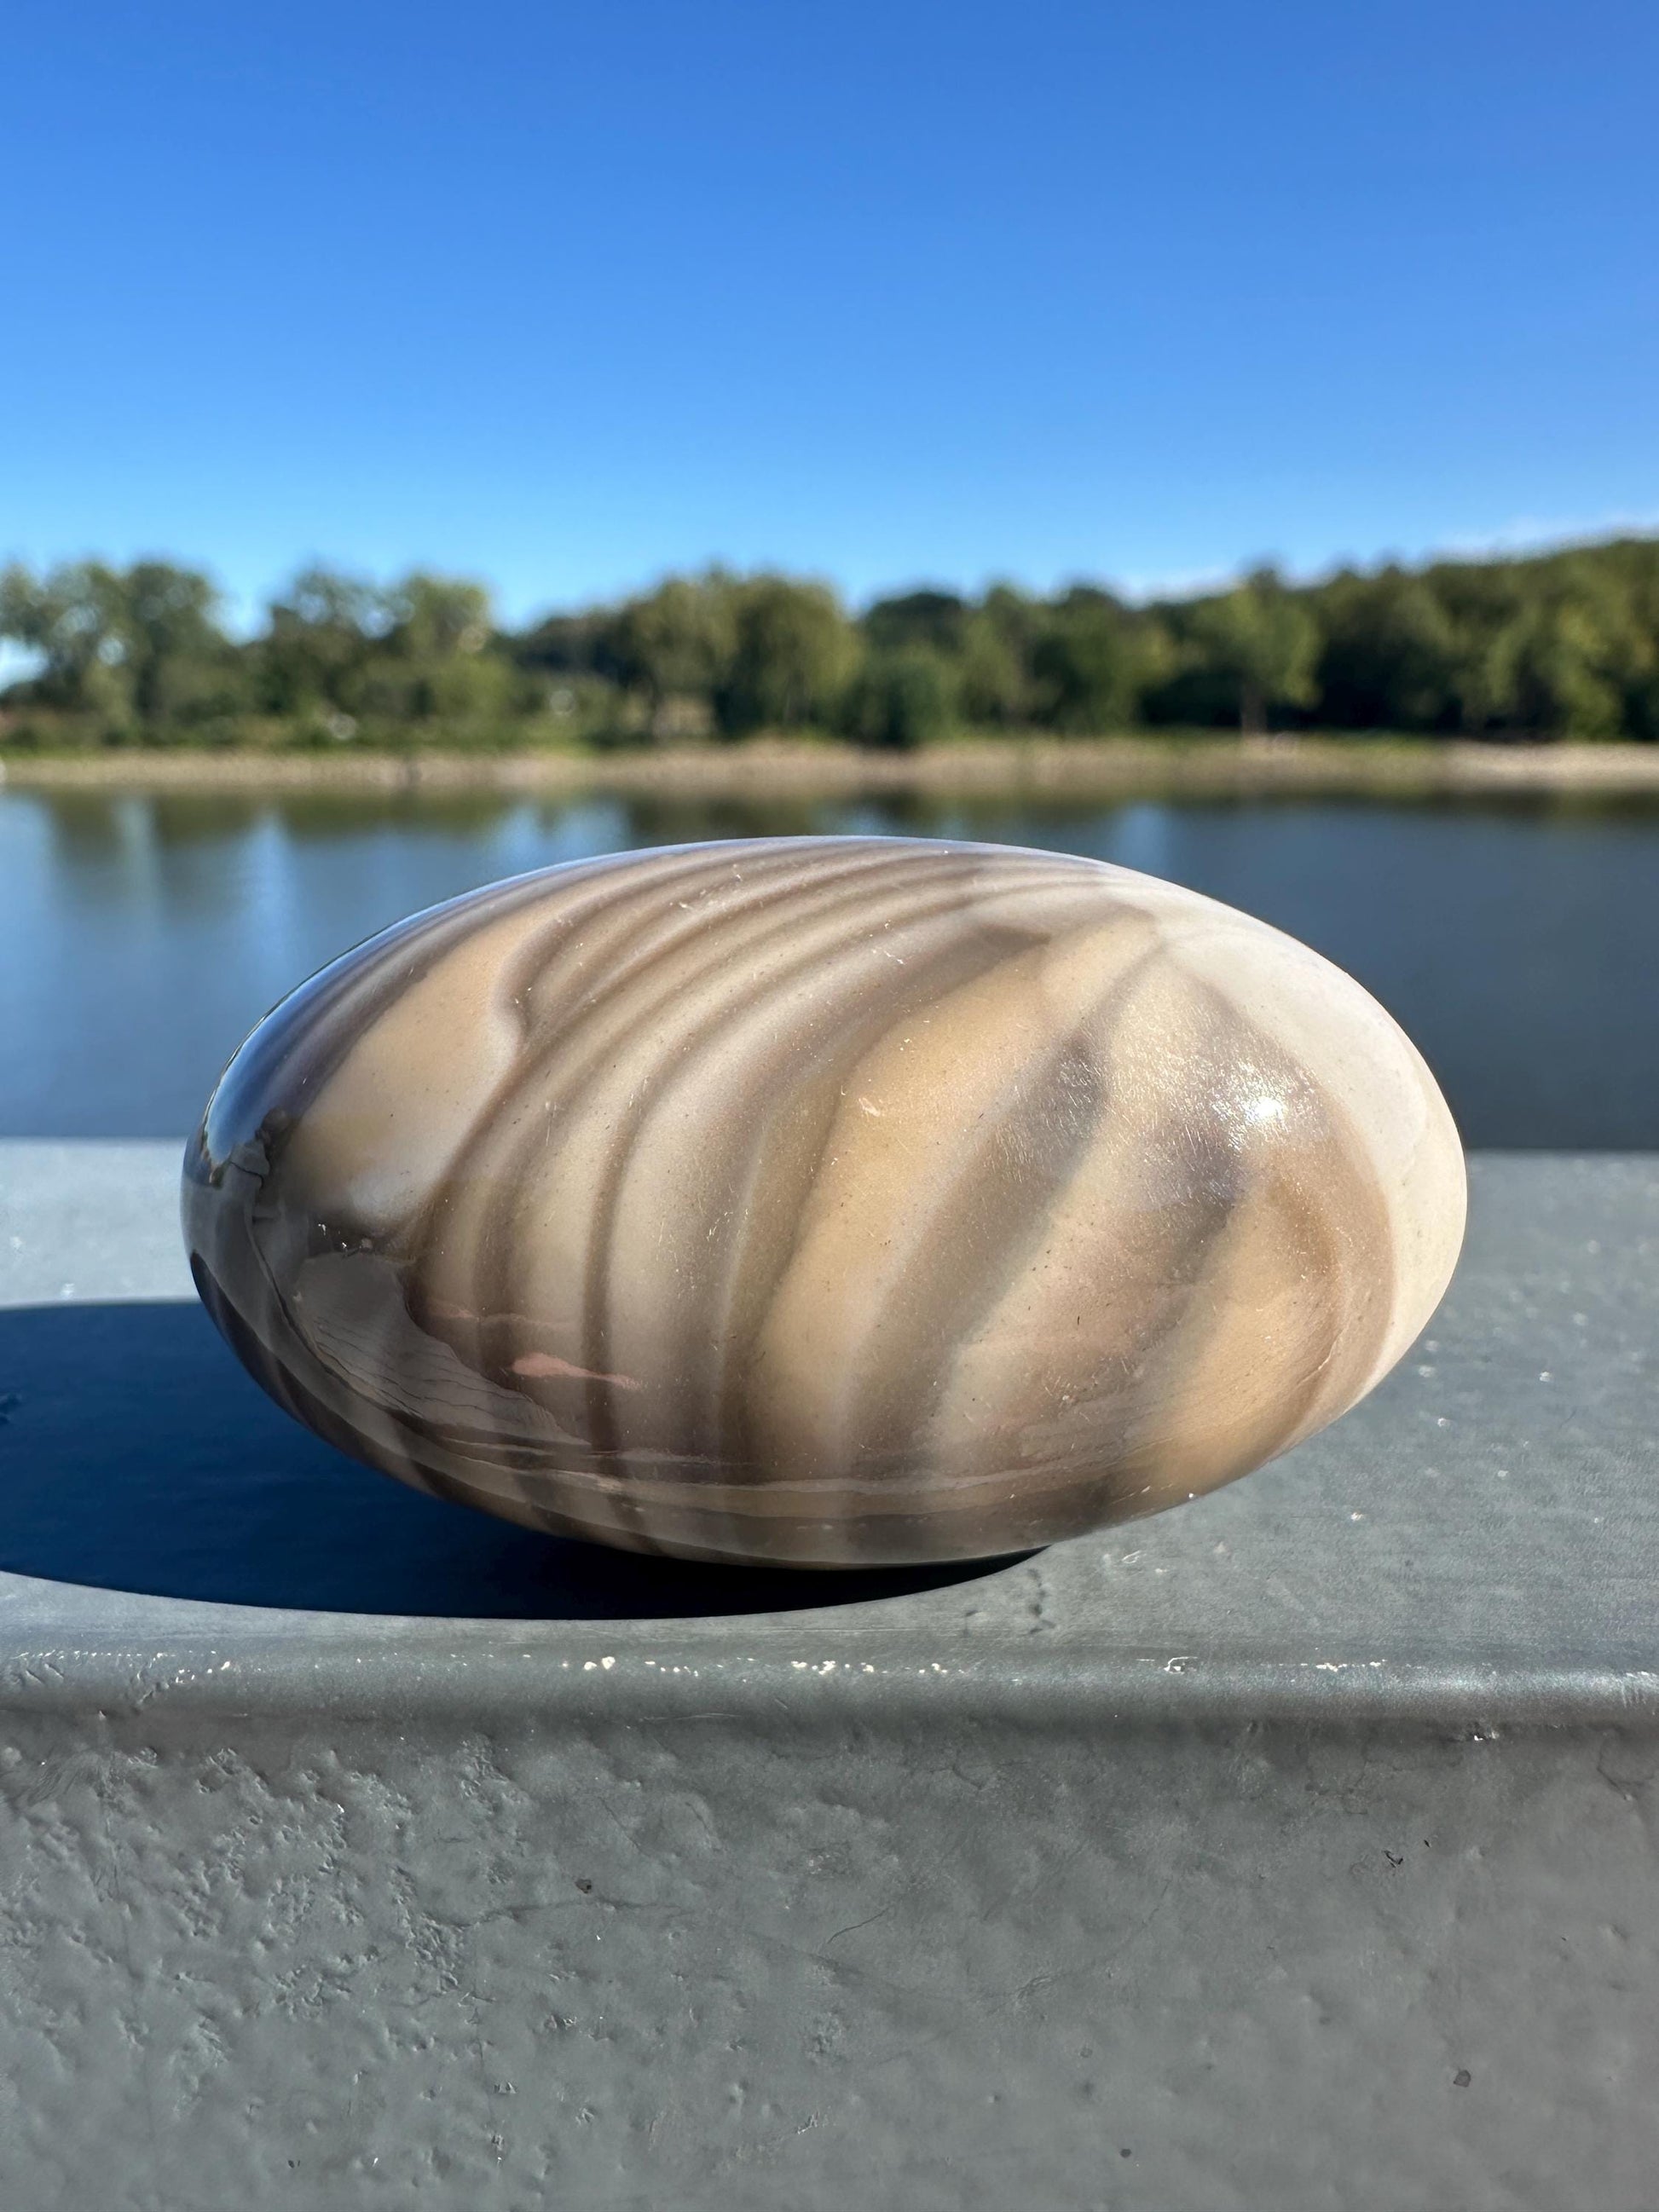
[(179, 664), (1560, 644), (430, 665), (318, 641), (794, 652), (71, 619), (1263, 643), (899, 699), (1092, 662), (932, 619), (1553, 671), (676, 648), (135, 649), (1390, 657), (994, 681), (432, 618)]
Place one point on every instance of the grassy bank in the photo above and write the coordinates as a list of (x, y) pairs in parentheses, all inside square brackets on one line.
[(1106, 765)]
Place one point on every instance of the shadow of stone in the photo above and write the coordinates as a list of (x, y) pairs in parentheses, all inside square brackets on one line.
[(135, 1455)]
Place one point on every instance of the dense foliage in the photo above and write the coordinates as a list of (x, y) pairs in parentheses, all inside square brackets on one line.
[(1562, 644)]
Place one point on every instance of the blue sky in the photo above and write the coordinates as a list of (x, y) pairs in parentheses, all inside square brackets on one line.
[(565, 297)]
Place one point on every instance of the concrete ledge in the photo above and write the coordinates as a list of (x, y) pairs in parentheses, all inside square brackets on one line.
[(1296, 1849)]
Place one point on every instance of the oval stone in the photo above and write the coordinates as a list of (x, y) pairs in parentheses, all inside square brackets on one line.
[(831, 1201)]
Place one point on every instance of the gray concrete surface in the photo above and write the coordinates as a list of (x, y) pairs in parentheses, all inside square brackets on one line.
[(1296, 1850)]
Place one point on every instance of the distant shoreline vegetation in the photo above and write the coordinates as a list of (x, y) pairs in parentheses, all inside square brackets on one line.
[(1557, 645)]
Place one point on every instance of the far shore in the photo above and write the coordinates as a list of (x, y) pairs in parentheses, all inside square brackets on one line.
[(764, 768)]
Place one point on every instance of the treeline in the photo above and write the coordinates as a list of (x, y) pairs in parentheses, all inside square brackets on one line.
[(1557, 645)]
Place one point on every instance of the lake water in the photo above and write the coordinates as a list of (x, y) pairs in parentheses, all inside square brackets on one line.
[(142, 936)]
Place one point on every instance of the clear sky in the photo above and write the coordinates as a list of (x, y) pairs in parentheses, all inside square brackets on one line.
[(886, 291)]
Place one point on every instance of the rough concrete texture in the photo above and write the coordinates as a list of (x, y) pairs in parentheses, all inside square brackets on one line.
[(1258, 1855)]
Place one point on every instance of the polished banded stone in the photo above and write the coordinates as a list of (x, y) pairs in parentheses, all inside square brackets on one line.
[(831, 1200)]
